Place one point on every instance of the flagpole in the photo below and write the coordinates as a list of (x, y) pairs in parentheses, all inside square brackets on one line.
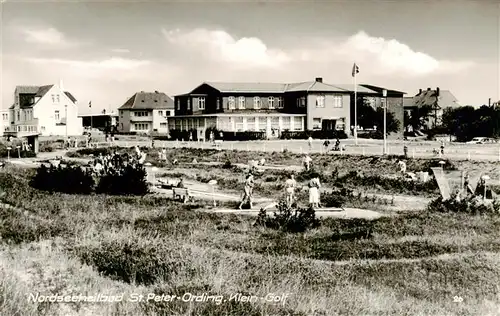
[(90, 107), (355, 109)]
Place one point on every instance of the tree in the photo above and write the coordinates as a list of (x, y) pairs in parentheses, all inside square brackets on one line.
[(418, 117), (368, 117), (467, 122)]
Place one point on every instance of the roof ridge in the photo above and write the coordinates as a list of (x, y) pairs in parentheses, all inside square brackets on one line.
[(334, 86), (135, 99), (312, 85)]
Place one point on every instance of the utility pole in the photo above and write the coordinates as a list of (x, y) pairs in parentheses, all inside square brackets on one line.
[(66, 113), (384, 93)]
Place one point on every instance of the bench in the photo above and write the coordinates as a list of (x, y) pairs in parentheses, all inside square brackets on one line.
[(181, 194), (164, 184)]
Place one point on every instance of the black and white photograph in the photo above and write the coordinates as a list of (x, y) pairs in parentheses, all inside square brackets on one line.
[(250, 158)]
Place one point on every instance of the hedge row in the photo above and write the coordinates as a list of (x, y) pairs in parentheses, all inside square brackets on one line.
[(218, 135), (314, 134), (78, 180)]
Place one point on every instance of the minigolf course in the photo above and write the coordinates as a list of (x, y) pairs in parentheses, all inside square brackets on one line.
[(443, 184), (320, 212)]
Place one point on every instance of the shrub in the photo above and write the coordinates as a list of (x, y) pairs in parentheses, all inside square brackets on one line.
[(76, 180), (336, 198), (471, 205), (183, 135), (242, 136), (394, 184), (427, 164), (131, 261), (227, 165), (372, 134), (329, 134), (91, 151), (131, 181), (305, 175), (289, 219), (70, 179), (4, 153)]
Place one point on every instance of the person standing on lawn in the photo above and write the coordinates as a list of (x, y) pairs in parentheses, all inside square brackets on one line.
[(247, 191), (326, 144), (307, 162), (314, 186), (290, 185)]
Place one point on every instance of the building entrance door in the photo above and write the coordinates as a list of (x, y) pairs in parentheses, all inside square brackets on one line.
[(329, 125)]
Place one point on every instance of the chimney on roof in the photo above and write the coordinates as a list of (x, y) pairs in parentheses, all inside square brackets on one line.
[(428, 89), (437, 92), (419, 91), (61, 86), (156, 91), (319, 79), (489, 102)]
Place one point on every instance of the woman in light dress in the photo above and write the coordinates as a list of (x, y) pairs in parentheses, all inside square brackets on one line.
[(314, 186), (248, 191), (290, 185)]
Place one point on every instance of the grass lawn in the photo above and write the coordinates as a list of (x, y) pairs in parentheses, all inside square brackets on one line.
[(413, 264)]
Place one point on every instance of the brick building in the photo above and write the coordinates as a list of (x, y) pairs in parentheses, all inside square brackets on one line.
[(271, 107)]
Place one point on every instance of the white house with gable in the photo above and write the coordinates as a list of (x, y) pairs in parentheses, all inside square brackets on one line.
[(45, 110)]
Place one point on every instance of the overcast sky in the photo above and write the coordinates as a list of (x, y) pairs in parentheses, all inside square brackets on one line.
[(106, 51)]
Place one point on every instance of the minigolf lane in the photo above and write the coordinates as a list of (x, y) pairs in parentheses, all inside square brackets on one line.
[(321, 212)]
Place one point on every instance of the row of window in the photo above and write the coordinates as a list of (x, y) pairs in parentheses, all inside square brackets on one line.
[(167, 113), (272, 102), (146, 113), (239, 124), (26, 128), (26, 114), (55, 98), (320, 101), (141, 126), (145, 126), (339, 124)]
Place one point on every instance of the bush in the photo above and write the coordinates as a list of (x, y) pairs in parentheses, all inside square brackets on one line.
[(242, 136), (227, 165), (372, 135), (131, 181), (183, 135), (336, 198), (92, 151), (76, 180), (306, 175), (329, 134), (399, 184), (70, 179), (131, 261), (288, 219), (471, 205), (4, 153)]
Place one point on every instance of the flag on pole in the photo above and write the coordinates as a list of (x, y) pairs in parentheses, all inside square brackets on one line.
[(90, 104), (355, 70)]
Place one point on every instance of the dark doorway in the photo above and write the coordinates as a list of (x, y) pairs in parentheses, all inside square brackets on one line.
[(328, 125)]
